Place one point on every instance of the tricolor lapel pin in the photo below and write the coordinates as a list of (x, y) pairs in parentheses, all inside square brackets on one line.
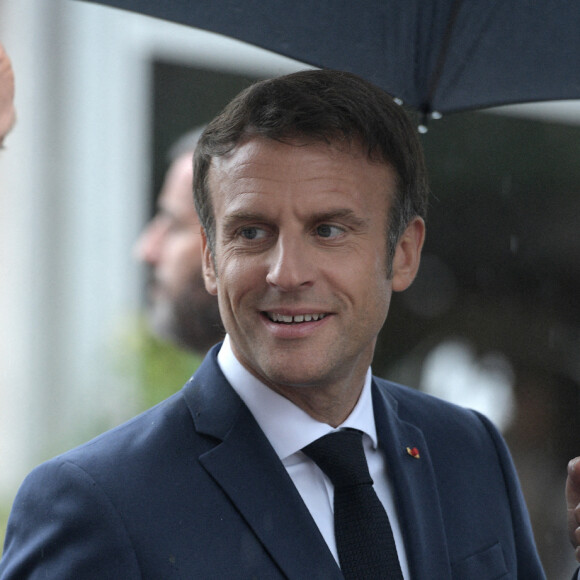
[(413, 452)]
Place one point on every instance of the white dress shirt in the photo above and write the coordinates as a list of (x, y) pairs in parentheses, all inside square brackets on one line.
[(289, 429)]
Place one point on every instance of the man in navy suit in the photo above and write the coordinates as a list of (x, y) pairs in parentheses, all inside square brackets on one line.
[(311, 191)]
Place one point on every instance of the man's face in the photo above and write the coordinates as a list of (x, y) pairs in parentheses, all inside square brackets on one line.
[(300, 259), (180, 309), (7, 111)]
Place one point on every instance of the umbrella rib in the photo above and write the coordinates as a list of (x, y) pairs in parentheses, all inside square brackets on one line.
[(442, 57)]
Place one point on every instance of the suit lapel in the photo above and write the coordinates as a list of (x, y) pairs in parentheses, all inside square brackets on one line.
[(415, 487), (247, 469)]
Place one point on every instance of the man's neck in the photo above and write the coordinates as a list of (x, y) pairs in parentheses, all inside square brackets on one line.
[(329, 402)]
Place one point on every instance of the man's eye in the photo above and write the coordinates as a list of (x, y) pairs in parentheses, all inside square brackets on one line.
[(328, 231), (252, 233)]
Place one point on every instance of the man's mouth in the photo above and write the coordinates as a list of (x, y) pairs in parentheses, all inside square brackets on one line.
[(297, 319)]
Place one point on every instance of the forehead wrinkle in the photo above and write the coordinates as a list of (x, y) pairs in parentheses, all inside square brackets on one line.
[(247, 163), (248, 195), (250, 185), (246, 176)]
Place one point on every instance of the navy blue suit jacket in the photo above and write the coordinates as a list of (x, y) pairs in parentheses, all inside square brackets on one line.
[(193, 489)]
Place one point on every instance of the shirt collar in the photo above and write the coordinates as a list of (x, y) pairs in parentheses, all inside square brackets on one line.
[(287, 427)]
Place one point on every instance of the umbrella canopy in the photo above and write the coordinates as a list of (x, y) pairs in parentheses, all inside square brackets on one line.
[(436, 56)]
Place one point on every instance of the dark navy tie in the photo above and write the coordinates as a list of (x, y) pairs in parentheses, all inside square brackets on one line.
[(364, 539)]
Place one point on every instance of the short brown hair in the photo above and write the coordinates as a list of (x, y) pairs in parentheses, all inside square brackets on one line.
[(321, 105)]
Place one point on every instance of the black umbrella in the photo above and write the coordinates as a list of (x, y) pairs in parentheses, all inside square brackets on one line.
[(435, 55)]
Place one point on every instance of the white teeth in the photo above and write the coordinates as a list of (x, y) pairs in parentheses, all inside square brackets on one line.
[(296, 319)]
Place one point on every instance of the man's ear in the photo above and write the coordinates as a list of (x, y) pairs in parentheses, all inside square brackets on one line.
[(408, 255), (208, 266)]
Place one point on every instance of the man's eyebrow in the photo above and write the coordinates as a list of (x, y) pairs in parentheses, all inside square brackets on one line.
[(339, 215), (343, 214), (243, 216)]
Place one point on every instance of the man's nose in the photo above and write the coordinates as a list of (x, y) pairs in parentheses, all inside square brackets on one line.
[(291, 266)]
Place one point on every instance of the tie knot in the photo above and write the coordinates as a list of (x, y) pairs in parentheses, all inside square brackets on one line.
[(341, 457)]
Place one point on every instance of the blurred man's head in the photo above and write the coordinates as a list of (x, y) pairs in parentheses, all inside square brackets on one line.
[(180, 309), (7, 111)]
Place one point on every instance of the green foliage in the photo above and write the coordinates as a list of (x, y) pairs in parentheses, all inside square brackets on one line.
[(162, 368), (4, 511)]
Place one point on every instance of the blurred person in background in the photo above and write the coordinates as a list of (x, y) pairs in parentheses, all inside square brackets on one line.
[(182, 319), (179, 310), (7, 110)]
